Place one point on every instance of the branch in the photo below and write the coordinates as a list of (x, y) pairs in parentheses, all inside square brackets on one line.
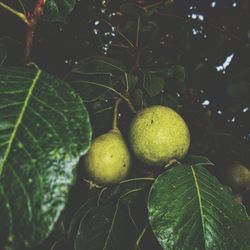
[(31, 26)]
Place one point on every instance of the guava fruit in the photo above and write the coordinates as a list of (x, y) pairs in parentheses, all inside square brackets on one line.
[(237, 176), (158, 135), (108, 161)]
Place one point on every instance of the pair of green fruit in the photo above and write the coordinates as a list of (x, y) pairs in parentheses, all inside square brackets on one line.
[(157, 135)]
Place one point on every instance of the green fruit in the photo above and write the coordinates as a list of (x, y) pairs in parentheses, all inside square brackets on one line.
[(158, 134), (108, 160), (237, 176)]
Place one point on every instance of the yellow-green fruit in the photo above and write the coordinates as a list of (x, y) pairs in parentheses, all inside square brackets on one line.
[(108, 160), (158, 134), (237, 176)]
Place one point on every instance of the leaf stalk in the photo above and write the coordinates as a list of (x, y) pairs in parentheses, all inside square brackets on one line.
[(15, 12)]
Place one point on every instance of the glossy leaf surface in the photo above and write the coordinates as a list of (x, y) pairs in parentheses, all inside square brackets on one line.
[(189, 209), (44, 129)]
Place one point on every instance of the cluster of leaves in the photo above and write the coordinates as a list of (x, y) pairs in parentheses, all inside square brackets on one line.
[(45, 128)]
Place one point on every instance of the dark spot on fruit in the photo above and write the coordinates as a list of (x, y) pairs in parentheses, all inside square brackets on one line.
[(152, 121)]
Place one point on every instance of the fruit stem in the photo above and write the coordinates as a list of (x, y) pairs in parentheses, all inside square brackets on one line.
[(115, 116), (171, 163)]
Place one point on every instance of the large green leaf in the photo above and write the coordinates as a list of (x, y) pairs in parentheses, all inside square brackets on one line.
[(189, 209), (94, 76), (54, 10), (44, 129), (106, 227)]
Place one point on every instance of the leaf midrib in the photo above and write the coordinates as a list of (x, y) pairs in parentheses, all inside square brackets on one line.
[(19, 119), (200, 204)]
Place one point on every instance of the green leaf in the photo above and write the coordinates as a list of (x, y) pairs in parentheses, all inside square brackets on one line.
[(189, 209), (54, 10), (44, 129), (100, 64), (137, 97), (106, 227), (176, 72), (238, 90), (90, 86), (153, 83), (175, 77), (94, 77), (58, 10), (79, 215), (130, 81), (198, 160)]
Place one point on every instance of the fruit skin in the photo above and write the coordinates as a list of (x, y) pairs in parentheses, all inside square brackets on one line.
[(158, 134), (237, 176), (108, 160)]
